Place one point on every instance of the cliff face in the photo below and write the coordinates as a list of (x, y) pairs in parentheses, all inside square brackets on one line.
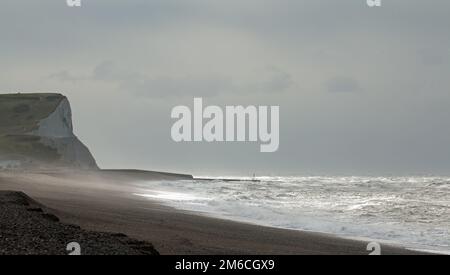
[(37, 130), (58, 124), (56, 131)]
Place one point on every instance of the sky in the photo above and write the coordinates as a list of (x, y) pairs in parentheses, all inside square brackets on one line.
[(362, 91)]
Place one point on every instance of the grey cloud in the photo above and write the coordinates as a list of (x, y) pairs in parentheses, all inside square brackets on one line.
[(343, 85), (272, 80), (212, 48), (64, 76), (168, 86), (434, 56), (278, 81), (289, 20), (161, 86)]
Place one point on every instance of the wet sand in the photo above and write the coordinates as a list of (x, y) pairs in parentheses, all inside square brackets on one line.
[(104, 202)]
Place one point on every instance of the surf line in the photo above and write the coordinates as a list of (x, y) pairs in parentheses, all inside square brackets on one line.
[(190, 125)]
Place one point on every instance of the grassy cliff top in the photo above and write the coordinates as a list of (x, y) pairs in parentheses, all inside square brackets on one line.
[(20, 113)]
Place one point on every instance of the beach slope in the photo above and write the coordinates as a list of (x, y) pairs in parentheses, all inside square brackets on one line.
[(107, 204)]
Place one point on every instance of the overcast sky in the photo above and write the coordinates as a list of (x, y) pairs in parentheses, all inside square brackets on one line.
[(362, 91)]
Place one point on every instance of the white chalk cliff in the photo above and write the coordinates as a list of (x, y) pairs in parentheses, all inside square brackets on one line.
[(58, 124), (56, 131)]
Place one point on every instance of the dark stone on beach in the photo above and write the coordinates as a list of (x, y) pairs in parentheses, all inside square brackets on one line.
[(29, 228), (74, 226), (119, 235), (39, 210), (50, 217), (148, 250)]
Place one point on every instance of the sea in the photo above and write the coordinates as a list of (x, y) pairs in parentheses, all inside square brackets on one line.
[(413, 212)]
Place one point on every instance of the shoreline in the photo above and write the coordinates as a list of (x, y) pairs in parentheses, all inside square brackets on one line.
[(107, 204), (366, 240)]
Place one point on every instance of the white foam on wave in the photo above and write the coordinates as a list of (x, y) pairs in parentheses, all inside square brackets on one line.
[(408, 211), (170, 196)]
